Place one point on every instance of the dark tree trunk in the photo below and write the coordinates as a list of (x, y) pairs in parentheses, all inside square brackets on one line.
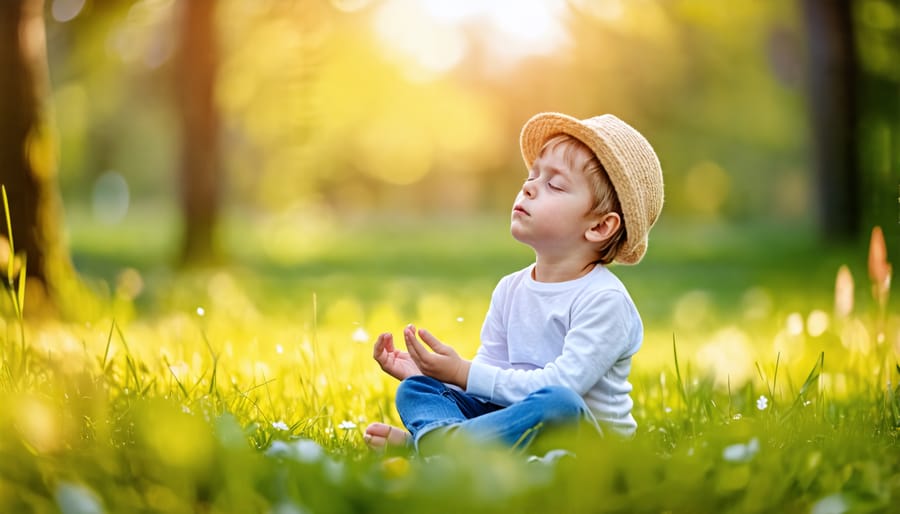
[(834, 106), (200, 175), (27, 149)]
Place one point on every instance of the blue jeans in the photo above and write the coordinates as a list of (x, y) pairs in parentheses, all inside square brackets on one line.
[(427, 405)]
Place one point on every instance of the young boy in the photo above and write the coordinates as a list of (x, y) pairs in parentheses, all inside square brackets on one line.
[(557, 341)]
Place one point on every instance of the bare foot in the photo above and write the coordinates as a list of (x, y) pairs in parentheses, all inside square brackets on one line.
[(380, 436)]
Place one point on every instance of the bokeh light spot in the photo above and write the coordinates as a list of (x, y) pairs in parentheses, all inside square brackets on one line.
[(66, 10), (816, 323), (110, 198)]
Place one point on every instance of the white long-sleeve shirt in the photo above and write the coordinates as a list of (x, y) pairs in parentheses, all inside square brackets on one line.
[(580, 334)]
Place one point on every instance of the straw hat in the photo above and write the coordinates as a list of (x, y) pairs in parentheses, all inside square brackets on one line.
[(629, 161)]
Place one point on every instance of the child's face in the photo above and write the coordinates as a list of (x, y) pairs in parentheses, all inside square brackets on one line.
[(551, 212)]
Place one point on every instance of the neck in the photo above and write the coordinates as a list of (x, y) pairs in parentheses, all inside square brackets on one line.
[(561, 269)]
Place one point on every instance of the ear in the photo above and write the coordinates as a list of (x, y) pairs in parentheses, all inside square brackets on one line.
[(603, 227)]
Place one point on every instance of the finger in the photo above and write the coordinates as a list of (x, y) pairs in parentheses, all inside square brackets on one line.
[(379, 345), (416, 351), (389, 342), (431, 341)]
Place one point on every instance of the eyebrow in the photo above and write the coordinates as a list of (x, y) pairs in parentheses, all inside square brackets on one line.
[(553, 169)]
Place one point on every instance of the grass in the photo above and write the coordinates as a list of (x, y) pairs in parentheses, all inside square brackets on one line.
[(246, 389)]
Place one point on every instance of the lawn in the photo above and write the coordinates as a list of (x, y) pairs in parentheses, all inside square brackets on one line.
[(246, 388)]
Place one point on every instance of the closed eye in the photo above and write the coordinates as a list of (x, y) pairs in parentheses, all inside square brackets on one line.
[(554, 187)]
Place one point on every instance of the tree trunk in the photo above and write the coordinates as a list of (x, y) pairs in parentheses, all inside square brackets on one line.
[(834, 106), (196, 66), (28, 151)]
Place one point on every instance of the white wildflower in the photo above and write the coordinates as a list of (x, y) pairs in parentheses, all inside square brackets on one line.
[(200, 311), (741, 452), (280, 425), (831, 504), (77, 499), (286, 507), (347, 425), (301, 450), (762, 402)]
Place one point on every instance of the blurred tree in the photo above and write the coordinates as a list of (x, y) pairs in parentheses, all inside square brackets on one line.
[(834, 109), (27, 150), (196, 65)]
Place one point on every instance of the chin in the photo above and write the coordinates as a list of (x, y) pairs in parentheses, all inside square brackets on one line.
[(518, 235)]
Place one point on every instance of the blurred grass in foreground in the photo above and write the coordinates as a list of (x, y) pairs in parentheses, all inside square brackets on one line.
[(169, 399)]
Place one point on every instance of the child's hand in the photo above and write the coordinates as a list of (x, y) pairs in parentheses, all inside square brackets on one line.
[(392, 361), (443, 364)]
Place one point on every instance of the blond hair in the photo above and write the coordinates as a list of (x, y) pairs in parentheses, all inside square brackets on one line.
[(580, 158)]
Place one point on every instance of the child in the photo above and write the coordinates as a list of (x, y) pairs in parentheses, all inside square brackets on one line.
[(558, 337)]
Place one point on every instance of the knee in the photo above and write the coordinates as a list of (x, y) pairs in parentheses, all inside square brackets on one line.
[(415, 386), (560, 403)]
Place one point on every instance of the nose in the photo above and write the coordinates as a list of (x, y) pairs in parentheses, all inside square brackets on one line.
[(529, 189)]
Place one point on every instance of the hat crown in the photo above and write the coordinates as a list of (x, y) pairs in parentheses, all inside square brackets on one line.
[(628, 159)]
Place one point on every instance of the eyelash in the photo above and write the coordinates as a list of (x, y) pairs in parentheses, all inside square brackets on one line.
[(551, 186)]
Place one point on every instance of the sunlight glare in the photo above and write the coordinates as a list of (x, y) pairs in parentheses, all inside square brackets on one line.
[(431, 33)]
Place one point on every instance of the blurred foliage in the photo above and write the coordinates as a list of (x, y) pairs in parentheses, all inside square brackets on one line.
[(249, 390), (415, 106)]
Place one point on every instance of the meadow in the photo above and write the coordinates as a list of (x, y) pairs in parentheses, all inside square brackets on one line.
[(763, 384)]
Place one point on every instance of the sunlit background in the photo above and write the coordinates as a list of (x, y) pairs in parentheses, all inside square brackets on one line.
[(413, 106), (365, 153), (252, 190)]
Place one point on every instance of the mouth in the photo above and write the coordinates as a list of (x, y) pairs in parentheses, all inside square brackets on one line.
[(521, 210)]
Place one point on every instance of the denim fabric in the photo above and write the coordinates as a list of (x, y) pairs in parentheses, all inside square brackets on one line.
[(426, 405)]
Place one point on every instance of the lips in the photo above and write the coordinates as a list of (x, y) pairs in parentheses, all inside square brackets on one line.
[(520, 209)]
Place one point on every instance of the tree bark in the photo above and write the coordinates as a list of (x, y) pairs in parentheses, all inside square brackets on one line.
[(28, 151), (200, 177), (834, 106)]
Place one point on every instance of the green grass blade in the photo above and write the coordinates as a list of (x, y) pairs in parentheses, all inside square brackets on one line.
[(12, 246), (21, 295), (183, 389), (681, 386), (108, 344)]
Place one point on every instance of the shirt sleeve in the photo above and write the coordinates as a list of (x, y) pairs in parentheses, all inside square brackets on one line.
[(493, 350), (600, 334)]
